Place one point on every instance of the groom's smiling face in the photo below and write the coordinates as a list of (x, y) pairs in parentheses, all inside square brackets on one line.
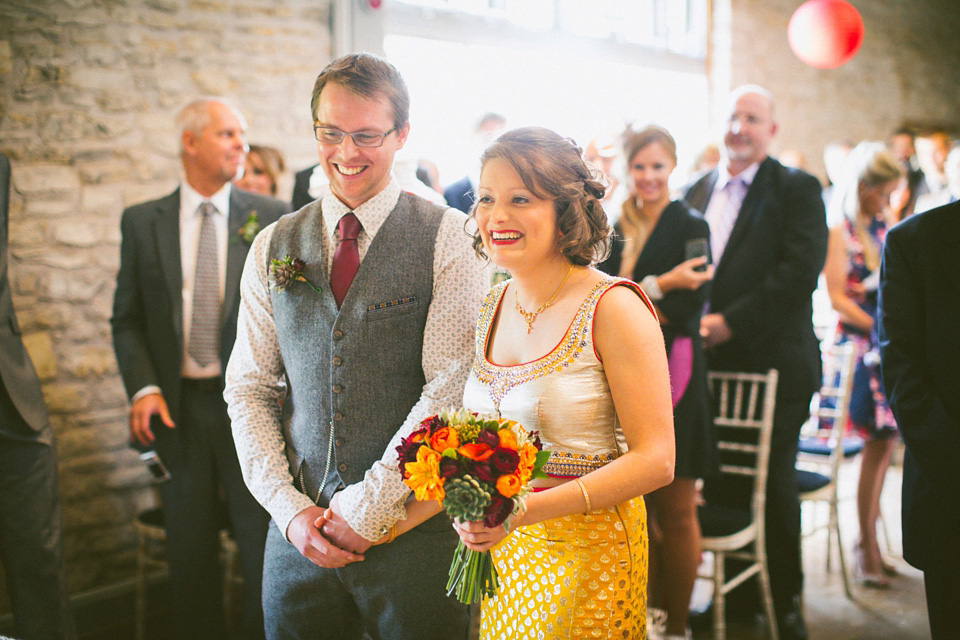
[(356, 174)]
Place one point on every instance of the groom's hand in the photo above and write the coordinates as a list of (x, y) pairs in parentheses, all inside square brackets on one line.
[(338, 531), (304, 533)]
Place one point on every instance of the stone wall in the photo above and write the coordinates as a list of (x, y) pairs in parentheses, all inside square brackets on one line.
[(88, 89), (88, 92), (906, 72)]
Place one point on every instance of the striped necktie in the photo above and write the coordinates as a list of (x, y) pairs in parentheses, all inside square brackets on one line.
[(723, 221), (205, 318)]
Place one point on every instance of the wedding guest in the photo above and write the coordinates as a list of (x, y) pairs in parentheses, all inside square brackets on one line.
[(365, 329), (652, 245), (859, 213), (174, 323), (768, 237), (461, 194), (31, 529), (262, 169), (919, 303)]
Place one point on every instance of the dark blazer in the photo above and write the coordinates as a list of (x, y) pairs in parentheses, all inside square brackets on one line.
[(919, 316), (459, 195), (301, 188), (148, 305), (681, 309), (16, 369), (766, 276)]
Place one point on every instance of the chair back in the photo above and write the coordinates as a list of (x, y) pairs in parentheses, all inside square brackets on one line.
[(743, 419), (823, 444)]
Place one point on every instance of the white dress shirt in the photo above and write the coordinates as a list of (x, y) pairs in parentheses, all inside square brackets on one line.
[(190, 219), (255, 372)]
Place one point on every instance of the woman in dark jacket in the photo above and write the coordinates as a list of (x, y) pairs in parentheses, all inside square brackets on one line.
[(663, 245)]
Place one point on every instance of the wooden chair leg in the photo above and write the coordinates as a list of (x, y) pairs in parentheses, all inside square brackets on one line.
[(719, 598)]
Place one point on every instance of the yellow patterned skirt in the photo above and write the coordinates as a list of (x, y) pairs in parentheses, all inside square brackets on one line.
[(580, 576)]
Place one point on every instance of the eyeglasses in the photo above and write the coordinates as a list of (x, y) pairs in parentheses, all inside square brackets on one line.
[(329, 135)]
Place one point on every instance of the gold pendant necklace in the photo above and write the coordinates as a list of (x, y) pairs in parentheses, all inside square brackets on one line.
[(531, 316)]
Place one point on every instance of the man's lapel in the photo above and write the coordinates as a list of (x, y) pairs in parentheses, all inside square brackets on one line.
[(237, 247), (167, 233), (749, 209)]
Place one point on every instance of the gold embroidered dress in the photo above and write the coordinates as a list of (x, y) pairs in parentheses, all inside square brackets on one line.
[(580, 576)]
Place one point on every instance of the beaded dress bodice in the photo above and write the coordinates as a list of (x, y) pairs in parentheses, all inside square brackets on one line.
[(563, 395)]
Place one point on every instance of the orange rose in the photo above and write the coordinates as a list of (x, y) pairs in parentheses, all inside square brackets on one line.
[(507, 439), (424, 475), (443, 439), (509, 485), (475, 451), (528, 458)]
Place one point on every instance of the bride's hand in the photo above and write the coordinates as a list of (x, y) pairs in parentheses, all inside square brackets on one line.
[(478, 537)]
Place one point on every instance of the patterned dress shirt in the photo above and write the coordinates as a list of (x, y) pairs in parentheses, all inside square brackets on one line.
[(254, 378)]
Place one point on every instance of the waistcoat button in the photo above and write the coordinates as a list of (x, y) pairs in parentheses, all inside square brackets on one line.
[(337, 334), (337, 388), (337, 360), (338, 416), (342, 466)]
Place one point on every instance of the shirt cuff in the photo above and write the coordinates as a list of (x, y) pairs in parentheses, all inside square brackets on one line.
[(146, 391), (363, 516), (286, 505)]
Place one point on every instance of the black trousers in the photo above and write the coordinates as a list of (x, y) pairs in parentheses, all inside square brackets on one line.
[(206, 492), (30, 528)]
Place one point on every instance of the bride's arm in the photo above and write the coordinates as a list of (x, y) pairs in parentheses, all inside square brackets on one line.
[(630, 344)]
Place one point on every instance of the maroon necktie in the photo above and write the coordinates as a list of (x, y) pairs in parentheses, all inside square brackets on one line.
[(346, 259)]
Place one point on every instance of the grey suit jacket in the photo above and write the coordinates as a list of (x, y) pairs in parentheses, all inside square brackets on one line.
[(148, 305), (16, 370)]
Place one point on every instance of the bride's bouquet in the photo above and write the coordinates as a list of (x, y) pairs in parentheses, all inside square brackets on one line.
[(479, 468)]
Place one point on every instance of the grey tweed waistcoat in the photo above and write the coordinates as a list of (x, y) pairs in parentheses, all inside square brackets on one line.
[(353, 373)]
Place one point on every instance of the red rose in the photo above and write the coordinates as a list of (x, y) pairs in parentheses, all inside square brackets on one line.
[(498, 511), (504, 460)]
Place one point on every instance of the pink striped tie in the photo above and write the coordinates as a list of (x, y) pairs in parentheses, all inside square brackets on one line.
[(721, 224)]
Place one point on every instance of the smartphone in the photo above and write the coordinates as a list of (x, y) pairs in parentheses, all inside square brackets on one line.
[(158, 471), (696, 248)]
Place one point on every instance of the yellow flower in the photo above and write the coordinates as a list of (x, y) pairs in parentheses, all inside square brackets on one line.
[(508, 440), (508, 485), (424, 475), (528, 458)]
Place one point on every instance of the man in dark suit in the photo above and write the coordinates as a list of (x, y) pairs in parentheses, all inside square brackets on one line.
[(174, 324), (301, 186), (920, 352), (30, 519), (769, 240)]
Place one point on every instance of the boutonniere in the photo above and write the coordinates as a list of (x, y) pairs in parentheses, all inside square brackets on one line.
[(250, 228), (285, 272)]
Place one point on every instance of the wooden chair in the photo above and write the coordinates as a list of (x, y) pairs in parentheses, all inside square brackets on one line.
[(744, 421), (152, 563), (824, 448)]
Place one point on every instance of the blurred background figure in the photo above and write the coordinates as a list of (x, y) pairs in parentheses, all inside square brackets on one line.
[(602, 152), (932, 150), (707, 159), (903, 148), (951, 169), (30, 515), (460, 194), (834, 155), (406, 168), (858, 215), (428, 174), (793, 158), (262, 170), (663, 245)]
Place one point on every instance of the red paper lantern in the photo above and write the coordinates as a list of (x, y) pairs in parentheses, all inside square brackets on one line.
[(825, 33)]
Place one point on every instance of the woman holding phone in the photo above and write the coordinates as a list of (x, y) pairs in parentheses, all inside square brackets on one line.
[(663, 245)]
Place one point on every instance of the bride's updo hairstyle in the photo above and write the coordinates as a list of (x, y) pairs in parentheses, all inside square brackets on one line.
[(552, 168)]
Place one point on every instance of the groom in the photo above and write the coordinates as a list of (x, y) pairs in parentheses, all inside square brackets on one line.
[(333, 367)]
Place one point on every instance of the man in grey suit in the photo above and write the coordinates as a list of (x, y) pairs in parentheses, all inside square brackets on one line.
[(373, 333), (30, 519), (174, 324)]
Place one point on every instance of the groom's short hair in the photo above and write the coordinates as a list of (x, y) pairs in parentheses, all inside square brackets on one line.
[(368, 76)]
